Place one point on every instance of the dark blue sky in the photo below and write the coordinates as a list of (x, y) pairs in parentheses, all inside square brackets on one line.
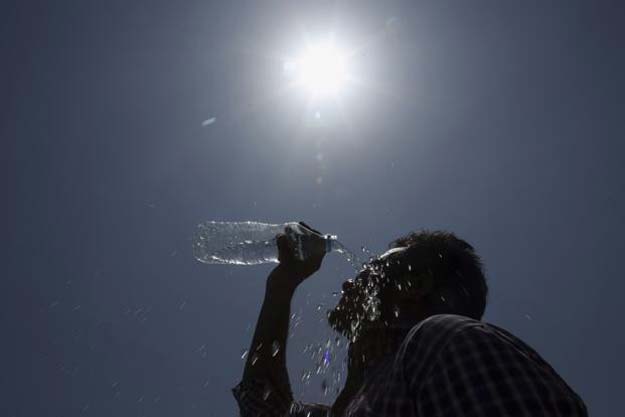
[(500, 121)]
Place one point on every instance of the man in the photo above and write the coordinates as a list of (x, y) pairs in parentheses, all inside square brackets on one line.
[(417, 345)]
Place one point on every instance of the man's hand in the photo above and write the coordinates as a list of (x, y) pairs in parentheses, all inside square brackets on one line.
[(293, 270)]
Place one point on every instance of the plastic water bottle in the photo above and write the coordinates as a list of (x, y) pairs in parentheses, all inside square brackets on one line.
[(252, 243)]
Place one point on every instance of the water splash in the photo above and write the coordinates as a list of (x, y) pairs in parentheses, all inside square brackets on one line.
[(322, 379), (354, 260)]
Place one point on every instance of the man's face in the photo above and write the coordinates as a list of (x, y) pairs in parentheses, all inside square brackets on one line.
[(360, 303)]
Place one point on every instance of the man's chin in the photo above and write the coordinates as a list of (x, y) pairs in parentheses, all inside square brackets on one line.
[(339, 322), (344, 322)]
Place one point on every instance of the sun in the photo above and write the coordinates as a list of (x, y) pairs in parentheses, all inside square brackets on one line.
[(320, 70)]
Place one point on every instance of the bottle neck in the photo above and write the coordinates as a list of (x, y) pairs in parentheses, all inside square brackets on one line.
[(330, 243)]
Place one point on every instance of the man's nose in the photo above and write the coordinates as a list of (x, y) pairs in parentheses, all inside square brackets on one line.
[(348, 285)]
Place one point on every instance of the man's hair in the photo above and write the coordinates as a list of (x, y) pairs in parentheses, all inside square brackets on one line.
[(458, 282)]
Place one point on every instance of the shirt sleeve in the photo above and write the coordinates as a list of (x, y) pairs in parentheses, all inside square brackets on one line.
[(482, 371), (258, 398)]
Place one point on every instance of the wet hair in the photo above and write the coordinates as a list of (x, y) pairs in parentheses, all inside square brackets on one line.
[(458, 284)]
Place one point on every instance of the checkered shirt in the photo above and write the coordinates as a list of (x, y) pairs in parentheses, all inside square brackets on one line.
[(447, 366)]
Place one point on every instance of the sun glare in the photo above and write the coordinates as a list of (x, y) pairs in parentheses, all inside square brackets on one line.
[(320, 70)]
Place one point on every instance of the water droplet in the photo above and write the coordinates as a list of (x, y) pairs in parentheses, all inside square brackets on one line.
[(396, 311), (209, 121), (244, 354), (326, 357), (305, 377), (254, 359), (275, 348)]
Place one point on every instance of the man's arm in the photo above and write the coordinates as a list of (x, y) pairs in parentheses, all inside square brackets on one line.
[(267, 355), (265, 386)]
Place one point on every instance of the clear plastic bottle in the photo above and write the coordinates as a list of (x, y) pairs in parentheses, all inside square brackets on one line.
[(252, 243)]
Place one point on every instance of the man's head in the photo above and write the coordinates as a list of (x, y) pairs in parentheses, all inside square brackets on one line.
[(423, 274)]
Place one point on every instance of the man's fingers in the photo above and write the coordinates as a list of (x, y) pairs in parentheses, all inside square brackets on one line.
[(314, 247), (310, 228), (284, 243), (285, 248)]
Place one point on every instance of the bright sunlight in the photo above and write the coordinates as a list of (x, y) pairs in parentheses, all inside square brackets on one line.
[(320, 70)]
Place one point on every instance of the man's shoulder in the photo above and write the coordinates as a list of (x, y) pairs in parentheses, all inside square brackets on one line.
[(430, 336), (424, 343), (446, 345), (436, 332), (441, 324), (446, 320)]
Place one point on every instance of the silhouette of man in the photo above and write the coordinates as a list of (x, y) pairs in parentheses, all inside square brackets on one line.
[(420, 351)]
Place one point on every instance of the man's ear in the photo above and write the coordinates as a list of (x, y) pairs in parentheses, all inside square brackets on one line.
[(424, 282), (418, 285)]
